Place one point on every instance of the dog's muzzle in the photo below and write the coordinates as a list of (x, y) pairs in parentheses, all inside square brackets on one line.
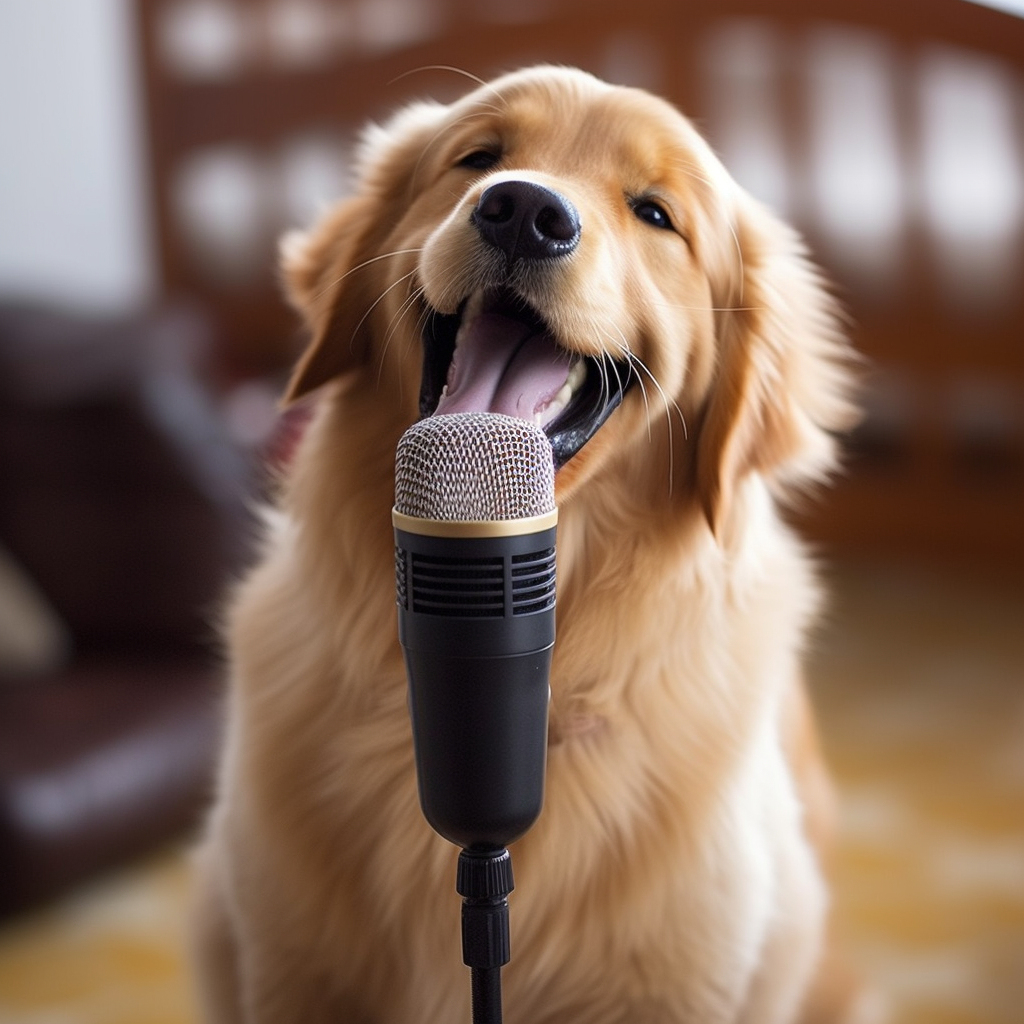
[(497, 353)]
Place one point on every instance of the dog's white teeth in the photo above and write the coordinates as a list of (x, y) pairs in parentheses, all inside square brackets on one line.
[(554, 408), (474, 305), (577, 375)]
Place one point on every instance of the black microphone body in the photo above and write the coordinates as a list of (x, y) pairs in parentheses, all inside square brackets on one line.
[(476, 618)]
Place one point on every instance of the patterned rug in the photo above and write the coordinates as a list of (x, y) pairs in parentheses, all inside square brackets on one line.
[(920, 688)]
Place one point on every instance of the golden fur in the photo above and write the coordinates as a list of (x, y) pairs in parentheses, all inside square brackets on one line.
[(674, 874)]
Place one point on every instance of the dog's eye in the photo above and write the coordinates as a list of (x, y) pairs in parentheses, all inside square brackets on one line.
[(480, 160), (651, 213)]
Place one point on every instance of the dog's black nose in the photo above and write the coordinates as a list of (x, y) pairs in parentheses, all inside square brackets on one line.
[(527, 221)]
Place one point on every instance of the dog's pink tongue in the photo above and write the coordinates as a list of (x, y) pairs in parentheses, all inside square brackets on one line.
[(505, 366)]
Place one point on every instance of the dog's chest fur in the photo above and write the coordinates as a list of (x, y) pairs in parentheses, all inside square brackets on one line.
[(664, 770)]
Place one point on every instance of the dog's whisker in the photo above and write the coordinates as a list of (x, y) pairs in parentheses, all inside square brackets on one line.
[(423, 68), (683, 307), (647, 401), (739, 256), (613, 369), (422, 317), (622, 383), (396, 321), (622, 345), (380, 298), (669, 404), (606, 384), (330, 286), (389, 333), (410, 302), (628, 354), (455, 70)]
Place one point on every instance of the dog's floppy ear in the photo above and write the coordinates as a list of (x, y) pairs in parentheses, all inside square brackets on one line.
[(318, 270), (330, 273), (783, 383)]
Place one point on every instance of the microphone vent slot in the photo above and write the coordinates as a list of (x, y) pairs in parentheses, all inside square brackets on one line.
[(458, 587), (479, 588), (533, 582)]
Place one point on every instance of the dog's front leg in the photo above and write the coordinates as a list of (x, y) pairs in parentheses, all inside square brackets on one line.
[(792, 946), (248, 972), (214, 950), (280, 986)]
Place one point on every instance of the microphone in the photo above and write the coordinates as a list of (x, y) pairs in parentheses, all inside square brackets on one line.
[(474, 522)]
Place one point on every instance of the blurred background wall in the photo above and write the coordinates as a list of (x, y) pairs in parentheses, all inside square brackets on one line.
[(74, 214), (155, 149)]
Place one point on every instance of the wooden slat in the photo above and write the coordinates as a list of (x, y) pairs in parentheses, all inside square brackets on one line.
[(930, 503)]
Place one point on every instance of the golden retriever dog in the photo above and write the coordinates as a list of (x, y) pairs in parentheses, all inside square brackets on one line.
[(571, 252)]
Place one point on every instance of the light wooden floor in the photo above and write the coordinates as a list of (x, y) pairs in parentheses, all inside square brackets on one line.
[(920, 690), (920, 687)]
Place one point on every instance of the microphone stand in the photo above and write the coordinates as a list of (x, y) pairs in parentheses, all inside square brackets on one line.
[(475, 587), (484, 880)]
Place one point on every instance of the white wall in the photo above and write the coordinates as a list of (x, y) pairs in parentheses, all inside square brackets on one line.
[(1010, 6), (73, 225)]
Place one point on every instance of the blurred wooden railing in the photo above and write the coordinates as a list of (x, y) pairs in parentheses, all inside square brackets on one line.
[(891, 134)]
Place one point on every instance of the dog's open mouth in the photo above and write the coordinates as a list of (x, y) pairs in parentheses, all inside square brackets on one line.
[(496, 354)]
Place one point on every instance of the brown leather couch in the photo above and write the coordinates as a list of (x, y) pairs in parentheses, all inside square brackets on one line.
[(122, 505)]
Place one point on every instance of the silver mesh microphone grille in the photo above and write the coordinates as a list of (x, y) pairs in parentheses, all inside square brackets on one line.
[(470, 466)]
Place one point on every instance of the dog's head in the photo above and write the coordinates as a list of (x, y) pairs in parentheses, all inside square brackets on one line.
[(571, 252)]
